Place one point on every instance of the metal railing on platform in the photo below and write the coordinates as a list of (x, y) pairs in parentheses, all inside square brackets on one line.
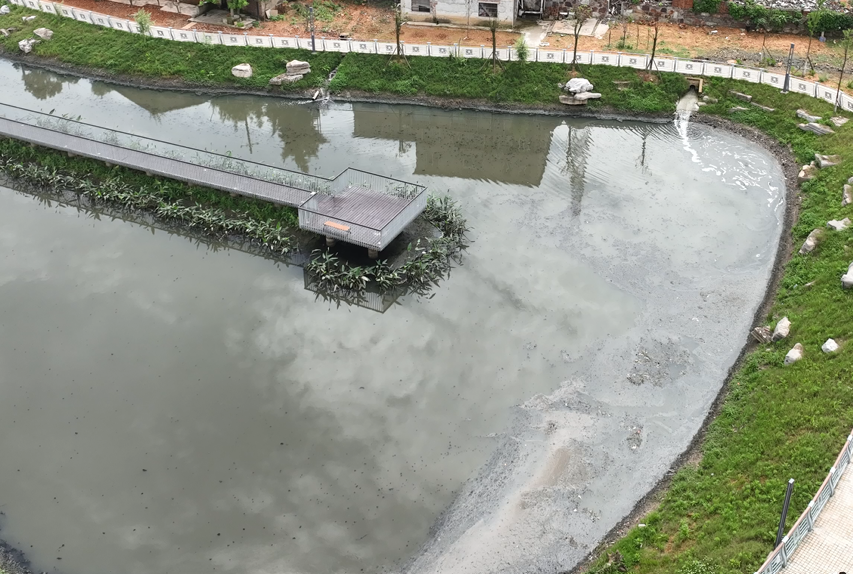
[(778, 559)]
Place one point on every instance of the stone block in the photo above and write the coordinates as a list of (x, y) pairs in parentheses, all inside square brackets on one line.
[(26, 46), (827, 160), (807, 116), (170, 7), (285, 79), (762, 334), (741, 96), (816, 128), (838, 121), (847, 278), (847, 195), (783, 327), (242, 71), (737, 109), (808, 172), (765, 108), (839, 225), (830, 346), (43, 33), (794, 354), (811, 241)]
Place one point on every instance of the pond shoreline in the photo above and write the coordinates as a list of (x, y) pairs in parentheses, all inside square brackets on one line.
[(784, 249)]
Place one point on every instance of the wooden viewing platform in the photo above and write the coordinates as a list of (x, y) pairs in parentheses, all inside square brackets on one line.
[(355, 207)]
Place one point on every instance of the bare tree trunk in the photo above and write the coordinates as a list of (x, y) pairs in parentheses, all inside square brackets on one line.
[(654, 48), (843, 65)]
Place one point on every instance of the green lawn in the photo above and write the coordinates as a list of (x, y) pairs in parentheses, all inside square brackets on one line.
[(119, 52), (777, 423)]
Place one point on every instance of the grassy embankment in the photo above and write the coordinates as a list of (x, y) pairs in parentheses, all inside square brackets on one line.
[(719, 516)]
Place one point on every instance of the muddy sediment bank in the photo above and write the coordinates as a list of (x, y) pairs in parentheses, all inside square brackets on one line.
[(523, 485)]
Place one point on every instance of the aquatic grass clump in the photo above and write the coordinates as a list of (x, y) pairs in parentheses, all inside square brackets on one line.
[(418, 274), (156, 198)]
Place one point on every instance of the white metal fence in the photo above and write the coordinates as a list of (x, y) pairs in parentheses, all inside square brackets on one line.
[(778, 559), (639, 61)]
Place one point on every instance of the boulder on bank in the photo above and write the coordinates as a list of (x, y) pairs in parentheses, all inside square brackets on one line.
[(807, 116), (285, 79), (578, 86), (794, 354), (847, 195), (783, 327), (847, 278), (26, 46), (827, 160), (811, 241), (762, 334), (839, 225), (297, 67), (838, 121), (818, 129), (830, 346), (242, 71), (43, 33), (4, 9), (808, 172)]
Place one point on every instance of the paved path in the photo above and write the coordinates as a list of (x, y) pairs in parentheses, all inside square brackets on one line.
[(828, 548)]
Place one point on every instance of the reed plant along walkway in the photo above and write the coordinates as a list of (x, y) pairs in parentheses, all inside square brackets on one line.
[(718, 516)]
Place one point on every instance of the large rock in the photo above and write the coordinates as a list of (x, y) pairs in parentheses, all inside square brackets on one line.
[(28, 18), (847, 195), (26, 46), (242, 71), (838, 121), (285, 79), (783, 327), (579, 86), (830, 346), (811, 241), (4, 9), (43, 33), (587, 96), (807, 116), (815, 128), (295, 67), (827, 160), (838, 225), (741, 96), (808, 172), (794, 354), (847, 278), (762, 334)]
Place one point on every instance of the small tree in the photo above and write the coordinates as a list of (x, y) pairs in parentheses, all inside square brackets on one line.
[(656, 26), (848, 39), (521, 49), (143, 21), (813, 20), (399, 20), (493, 28), (581, 13)]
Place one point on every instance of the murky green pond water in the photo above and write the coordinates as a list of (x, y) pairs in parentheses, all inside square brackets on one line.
[(168, 408)]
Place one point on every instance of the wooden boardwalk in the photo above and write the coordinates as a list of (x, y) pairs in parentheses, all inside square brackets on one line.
[(371, 218), (155, 164)]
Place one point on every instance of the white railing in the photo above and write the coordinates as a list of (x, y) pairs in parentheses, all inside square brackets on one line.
[(630, 60), (779, 558)]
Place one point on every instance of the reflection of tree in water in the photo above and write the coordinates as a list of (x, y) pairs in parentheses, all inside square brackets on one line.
[(577, 155), (298, 126), (44, 85), (100, 89)]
